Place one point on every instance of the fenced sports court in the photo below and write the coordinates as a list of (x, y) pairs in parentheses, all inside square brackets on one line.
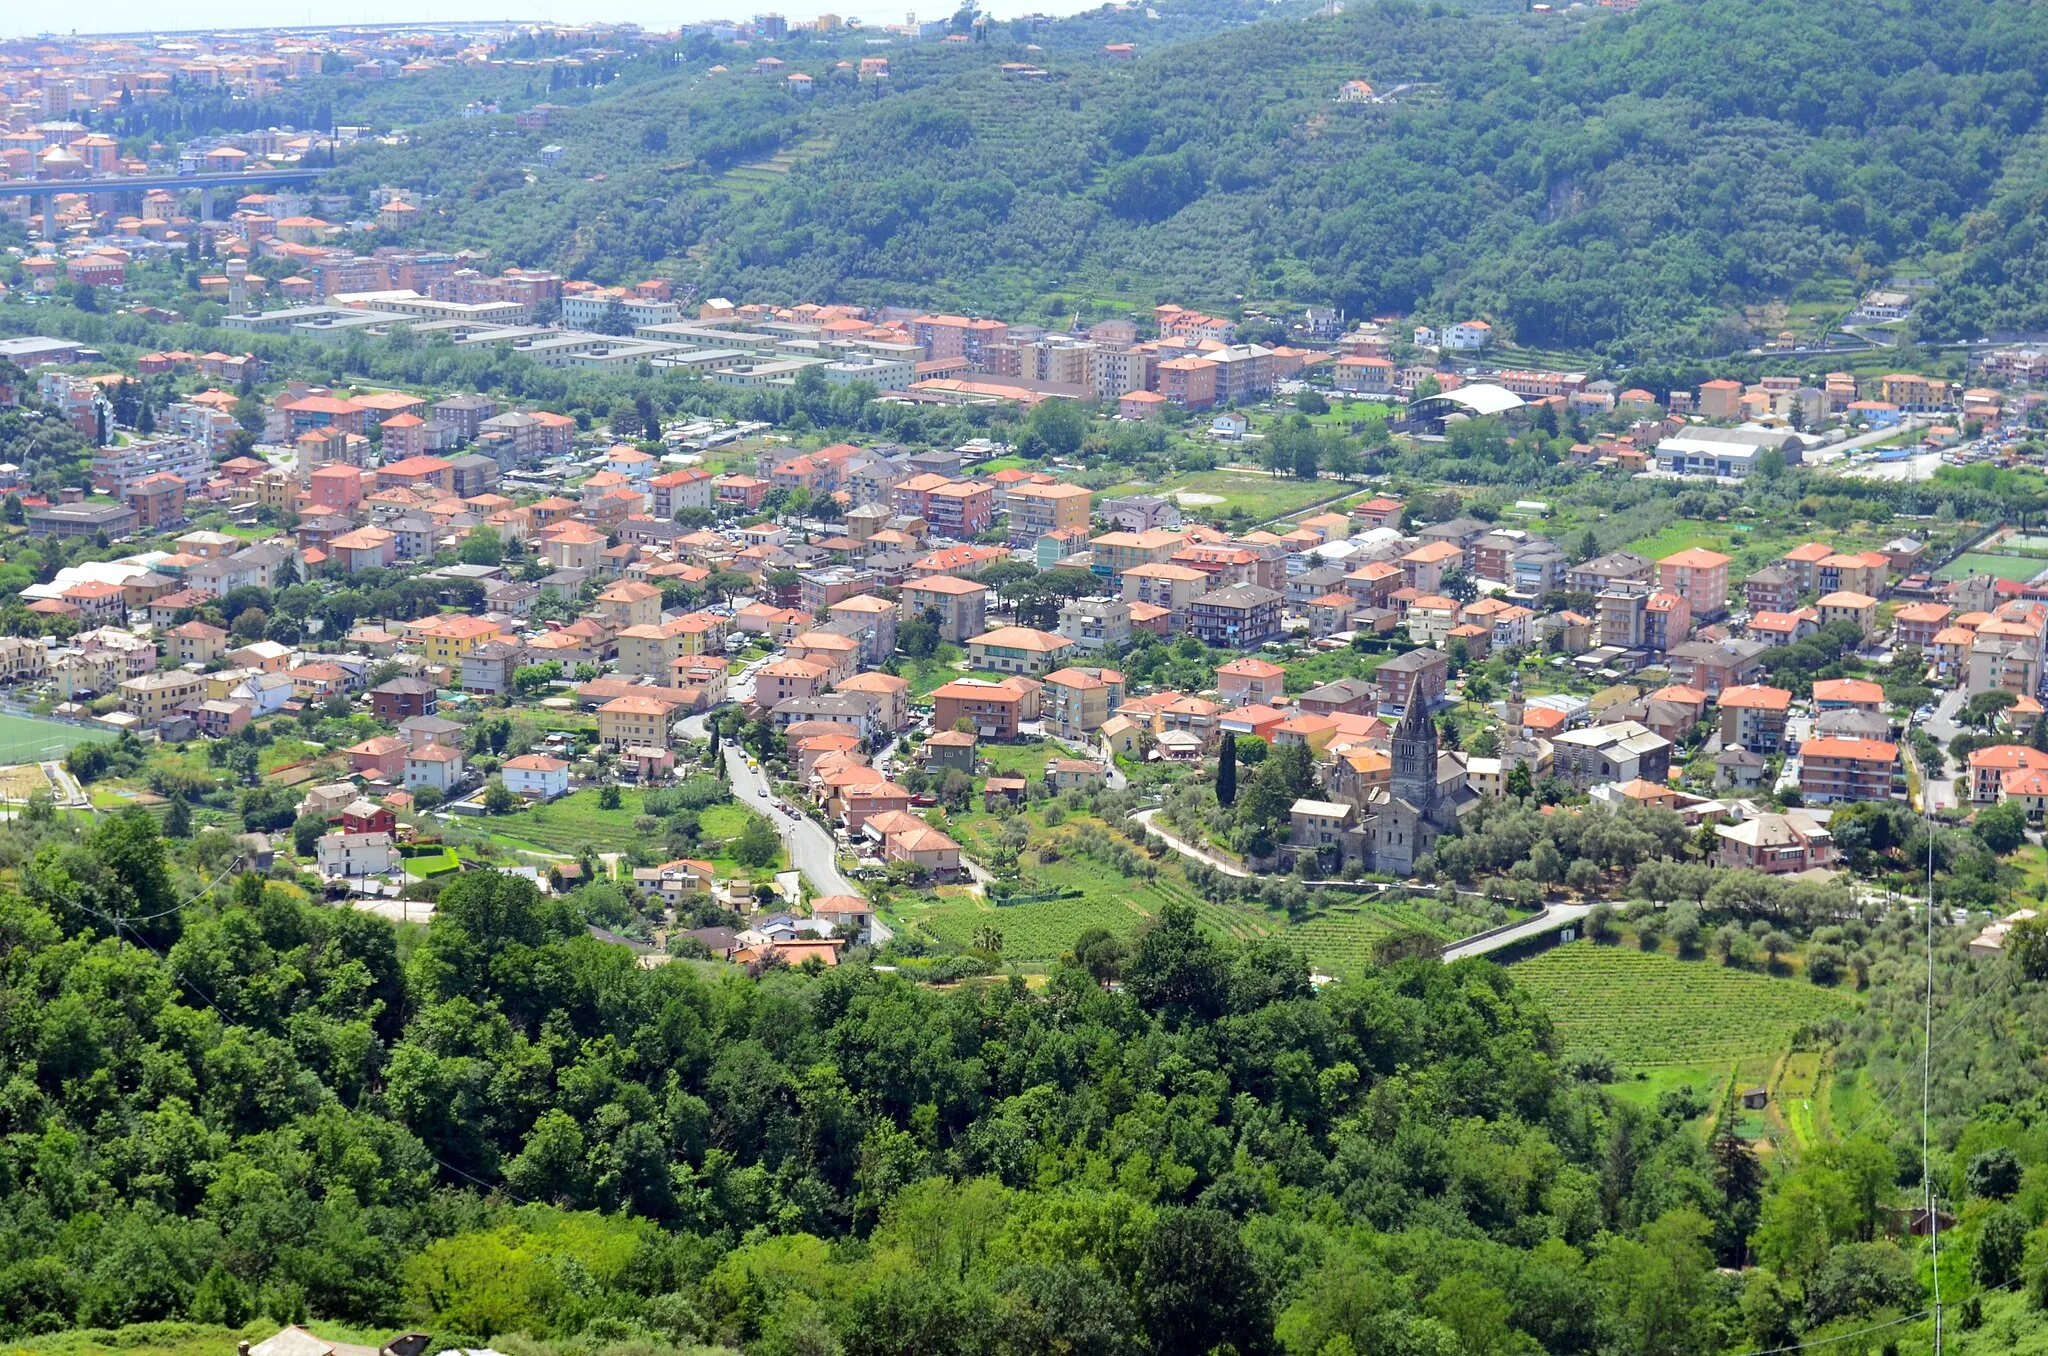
[(28, 739)]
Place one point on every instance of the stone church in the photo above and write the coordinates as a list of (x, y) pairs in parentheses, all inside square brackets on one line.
[(1424, 798)]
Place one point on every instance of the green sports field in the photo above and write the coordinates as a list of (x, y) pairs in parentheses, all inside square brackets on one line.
[(25, 739), (2018, 568)]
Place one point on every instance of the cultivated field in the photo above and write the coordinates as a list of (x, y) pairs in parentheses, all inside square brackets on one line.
[(1643, 1010)]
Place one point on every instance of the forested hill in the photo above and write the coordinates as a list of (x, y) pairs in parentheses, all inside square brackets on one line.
[(256, 1106), (1611, 181)]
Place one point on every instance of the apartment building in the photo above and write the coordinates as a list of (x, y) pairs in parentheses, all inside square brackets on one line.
[(631, 721), (1700, 577), (1017, 649), (962, 605), (992, 710), (1079, 701), (1833, 769), (1038, 509), (1236, 616), (1113, 553), (1416, 675), (153, 697), (1753, 717)]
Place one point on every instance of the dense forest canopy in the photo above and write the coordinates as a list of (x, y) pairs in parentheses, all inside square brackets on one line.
[(245, 1104), (1612, 181)]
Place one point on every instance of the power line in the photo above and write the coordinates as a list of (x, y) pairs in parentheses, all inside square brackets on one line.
[(1927, 1078), (129, 919), (1840, 1336)]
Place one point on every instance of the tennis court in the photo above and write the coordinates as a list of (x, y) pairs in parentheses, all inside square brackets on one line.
[(25, 739)]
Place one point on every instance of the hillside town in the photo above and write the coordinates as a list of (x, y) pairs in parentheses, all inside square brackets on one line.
[(786, 595), (865, 639), (1173, 679)]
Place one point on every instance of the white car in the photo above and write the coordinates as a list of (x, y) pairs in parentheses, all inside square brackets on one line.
[(762, 793)]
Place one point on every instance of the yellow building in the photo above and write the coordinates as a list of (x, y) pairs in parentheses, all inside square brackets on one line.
[(650, 651), (633, 721), (448, 637), (1038, 509), (154, 696)]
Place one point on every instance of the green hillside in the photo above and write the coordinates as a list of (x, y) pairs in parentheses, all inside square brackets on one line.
[(1619, 182)]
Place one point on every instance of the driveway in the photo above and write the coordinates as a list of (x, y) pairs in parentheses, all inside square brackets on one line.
[(1187, 849)]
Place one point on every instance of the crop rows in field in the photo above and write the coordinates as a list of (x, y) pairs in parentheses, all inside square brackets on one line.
[(1644, 1009), (1342, 937), (1038, 932)]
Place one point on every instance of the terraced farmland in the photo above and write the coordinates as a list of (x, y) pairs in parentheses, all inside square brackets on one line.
[(1341, 938), (1038, 933), (1643, 1010)]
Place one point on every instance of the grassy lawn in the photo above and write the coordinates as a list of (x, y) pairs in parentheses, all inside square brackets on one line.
[(1644, 1010), (2017, 568), (724, 824), (1708, 1080), (925, 674), (280, 752), (1020, 760), (1036, 934), (1216, 493), (24, 739), (1344, 413), (574, 822), (432, 864), (568, 825)]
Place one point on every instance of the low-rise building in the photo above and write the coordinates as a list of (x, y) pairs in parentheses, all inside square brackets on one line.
[(1017, 649), (342, 855), (535, 776), (1775, 844), (991, 710), (435, 765)]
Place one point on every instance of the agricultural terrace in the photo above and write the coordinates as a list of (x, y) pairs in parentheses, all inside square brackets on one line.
[(1647, 1010)]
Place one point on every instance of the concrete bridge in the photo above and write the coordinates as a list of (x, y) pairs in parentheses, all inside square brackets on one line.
[(49, 190)]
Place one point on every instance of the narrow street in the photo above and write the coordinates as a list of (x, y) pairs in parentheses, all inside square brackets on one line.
[(812, 850)]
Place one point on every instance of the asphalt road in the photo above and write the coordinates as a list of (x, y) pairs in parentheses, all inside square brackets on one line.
[(1550, 920), (1941, 794), (811, 849)]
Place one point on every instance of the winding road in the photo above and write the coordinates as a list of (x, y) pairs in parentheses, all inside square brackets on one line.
[(1552, 918)]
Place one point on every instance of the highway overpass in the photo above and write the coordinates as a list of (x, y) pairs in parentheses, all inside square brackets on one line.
[(49, 190)]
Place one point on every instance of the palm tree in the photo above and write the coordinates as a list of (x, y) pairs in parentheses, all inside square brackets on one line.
[(988, 938)]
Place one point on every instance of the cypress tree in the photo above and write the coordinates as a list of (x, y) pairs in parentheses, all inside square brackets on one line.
[(1226, 772)]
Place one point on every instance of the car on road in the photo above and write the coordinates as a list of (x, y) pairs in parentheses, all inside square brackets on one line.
[(761, 791)]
